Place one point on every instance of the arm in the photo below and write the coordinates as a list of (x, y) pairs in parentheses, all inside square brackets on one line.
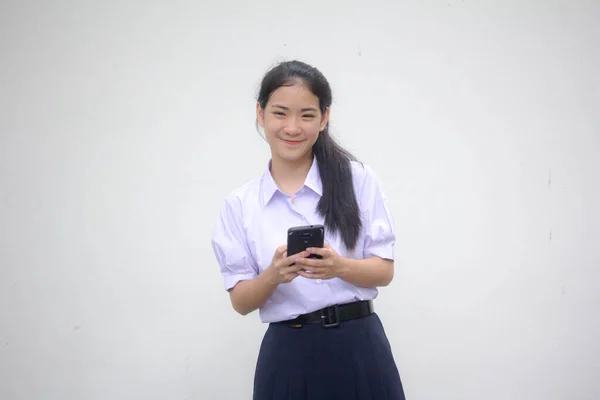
[(376, 268), (248, 296), (248, 288), (369, 272)]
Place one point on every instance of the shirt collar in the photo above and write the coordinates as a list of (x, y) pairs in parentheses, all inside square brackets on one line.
[(313, 182)]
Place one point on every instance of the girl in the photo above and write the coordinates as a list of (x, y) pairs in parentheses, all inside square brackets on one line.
[(324, 340)]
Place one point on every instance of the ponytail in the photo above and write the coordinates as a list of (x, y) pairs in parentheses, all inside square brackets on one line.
[(338, 204)]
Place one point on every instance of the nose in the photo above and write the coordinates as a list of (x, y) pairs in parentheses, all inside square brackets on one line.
[(292, 127)]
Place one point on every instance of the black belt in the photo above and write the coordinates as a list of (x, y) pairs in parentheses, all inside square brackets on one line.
[(332, 316)]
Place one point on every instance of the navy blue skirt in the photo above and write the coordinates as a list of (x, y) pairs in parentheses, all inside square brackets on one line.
[(352, 361)]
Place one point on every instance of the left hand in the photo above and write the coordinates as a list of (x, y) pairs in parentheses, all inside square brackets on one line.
[(325, 268)]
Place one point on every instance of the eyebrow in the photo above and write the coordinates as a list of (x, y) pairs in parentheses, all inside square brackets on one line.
[(287, 108)]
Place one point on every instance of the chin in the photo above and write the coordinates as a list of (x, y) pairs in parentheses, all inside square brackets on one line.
[(293, 156)]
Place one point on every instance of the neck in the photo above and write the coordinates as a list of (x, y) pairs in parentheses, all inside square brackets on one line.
[(290, 175)]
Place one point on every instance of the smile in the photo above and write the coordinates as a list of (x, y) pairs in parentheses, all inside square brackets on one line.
[(292, 141)]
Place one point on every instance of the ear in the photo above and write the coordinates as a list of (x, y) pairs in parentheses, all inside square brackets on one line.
[(324, 120), (260, 115)]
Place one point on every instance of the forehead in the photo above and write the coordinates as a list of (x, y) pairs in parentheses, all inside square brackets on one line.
[(297, 95)]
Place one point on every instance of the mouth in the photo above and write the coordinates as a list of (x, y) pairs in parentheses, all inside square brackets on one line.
[(292, 142)]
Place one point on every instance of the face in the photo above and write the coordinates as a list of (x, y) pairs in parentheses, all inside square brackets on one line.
[(292, 122)]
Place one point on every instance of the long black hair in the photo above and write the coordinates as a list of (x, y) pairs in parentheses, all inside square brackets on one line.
[(338, 204)]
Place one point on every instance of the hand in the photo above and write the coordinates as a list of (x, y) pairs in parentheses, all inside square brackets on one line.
[(326, 268), (282, 268)]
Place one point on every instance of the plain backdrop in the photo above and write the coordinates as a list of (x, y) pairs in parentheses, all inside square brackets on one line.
[(124, 124)]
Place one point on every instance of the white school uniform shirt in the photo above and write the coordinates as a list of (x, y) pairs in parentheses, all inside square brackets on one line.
[(253, 223)]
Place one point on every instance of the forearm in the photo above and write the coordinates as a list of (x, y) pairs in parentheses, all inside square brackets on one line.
[(248, 296), (370, 272)]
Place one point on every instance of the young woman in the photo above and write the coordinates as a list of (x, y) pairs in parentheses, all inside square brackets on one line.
[(324, 341)]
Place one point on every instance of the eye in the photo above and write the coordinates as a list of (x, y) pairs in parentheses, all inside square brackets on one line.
[(308, 116), (279, 113)]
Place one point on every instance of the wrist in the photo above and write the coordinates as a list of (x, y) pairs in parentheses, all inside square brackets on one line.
[(343, 266), (269, 276)]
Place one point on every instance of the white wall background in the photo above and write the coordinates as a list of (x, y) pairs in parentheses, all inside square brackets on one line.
[(124, 124)]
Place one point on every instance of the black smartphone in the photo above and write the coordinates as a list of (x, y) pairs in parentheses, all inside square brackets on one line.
[(302, 237)]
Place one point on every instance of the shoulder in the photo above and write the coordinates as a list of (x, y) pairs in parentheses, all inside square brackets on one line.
[(245, 192), (361, 170), (370, 192), (241, 197), (241, 193), (363, 176)]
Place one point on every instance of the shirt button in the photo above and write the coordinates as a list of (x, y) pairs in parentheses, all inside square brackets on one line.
[(318, 281)]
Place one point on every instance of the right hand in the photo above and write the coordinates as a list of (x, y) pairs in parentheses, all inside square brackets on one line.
[(281, 268)]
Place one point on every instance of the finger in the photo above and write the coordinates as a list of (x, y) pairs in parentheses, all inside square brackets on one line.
[(310, 262), (319, 251), (305, 274), (310, 275), (281, 249), (287, 260), (315, 271), (291, 276), (279, 252), (294, 257), (292, 268)]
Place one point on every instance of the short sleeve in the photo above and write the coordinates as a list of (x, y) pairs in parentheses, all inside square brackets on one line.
[(230, 247), (378, 223)]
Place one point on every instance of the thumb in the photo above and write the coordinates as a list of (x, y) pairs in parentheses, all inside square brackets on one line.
[(281, 250)]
